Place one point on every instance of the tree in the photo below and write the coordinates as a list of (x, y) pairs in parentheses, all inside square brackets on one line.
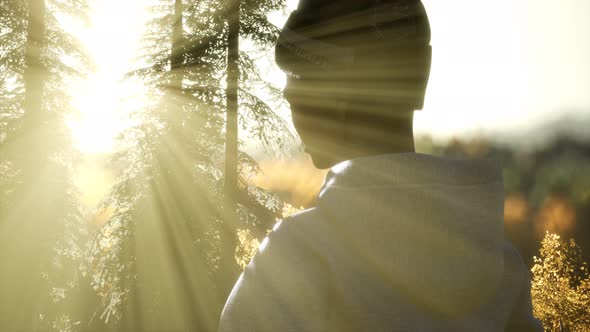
[(38, 206), (561, 286), (159, 261), (228, 267)]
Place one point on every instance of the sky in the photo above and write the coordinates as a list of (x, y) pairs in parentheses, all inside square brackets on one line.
[(499, 67), (505, 65)]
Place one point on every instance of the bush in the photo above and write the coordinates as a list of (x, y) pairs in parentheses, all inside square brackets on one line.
[(561, 286)]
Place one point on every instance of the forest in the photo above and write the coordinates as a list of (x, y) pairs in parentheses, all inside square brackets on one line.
[(188, 201)]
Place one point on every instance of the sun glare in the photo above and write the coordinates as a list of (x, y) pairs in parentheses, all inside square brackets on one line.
[(104, 99), (103, 106)]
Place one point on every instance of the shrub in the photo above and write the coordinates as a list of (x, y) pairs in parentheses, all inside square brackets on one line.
[(561, 286)]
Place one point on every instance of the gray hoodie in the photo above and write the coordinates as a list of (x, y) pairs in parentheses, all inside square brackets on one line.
[(401, 242)]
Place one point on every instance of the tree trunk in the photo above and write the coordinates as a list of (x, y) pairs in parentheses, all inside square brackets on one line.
[(34, 77), (177, 54), (35, 72), (24, 235), (229, 269)]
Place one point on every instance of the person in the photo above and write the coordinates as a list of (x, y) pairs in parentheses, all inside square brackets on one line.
[(398, 241)]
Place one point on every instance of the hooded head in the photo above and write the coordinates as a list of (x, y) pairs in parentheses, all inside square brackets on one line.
[(357, 69)]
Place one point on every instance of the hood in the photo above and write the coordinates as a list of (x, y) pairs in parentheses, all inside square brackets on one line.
[(432, 226)]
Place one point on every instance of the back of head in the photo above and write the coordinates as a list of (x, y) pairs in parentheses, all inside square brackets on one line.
[(366, 52)]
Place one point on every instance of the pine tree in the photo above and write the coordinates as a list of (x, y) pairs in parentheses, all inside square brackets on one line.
[(38, 205), (160, 261)]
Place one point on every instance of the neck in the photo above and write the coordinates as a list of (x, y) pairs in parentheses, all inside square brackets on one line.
[(393, 133), (378, 136), (396, 143)]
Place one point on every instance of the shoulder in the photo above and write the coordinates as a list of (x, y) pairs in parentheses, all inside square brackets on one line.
[(303, 223), (293, 238), (303, 230), (283, 286)]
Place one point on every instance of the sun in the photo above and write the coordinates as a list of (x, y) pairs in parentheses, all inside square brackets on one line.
[(94, 127), (104, 107), (104, 100)]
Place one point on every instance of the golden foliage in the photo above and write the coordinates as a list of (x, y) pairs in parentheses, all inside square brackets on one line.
[(298, 177), (289, 210), (556, 215), (561, 286), (516, 209), (248, 244)]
